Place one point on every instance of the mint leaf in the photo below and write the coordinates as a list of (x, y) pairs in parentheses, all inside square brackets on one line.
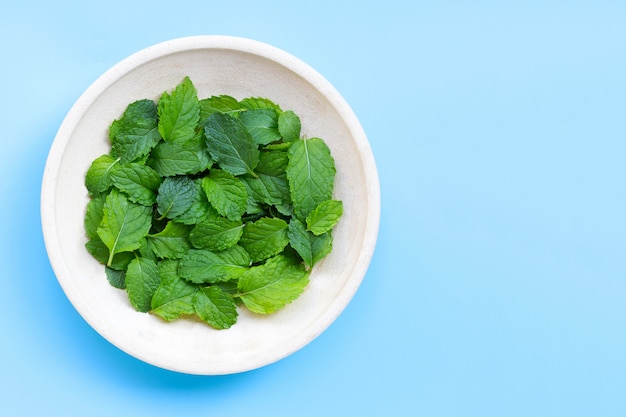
[(270, 187), (172, 242), (289, 126), (215, 307), (267, 288), (230, 144), (138, 181), (254, 103), (311, 248), (174, 296), (142, 280), (100, 252), (200, 208), (135, 134), (324, 217), (93, 215), (173, 158), (205, 267), (216, 234), (98, 177), (226, 193), (123, 225), (264, 238), (116, 278), (221, 104), (175, 196), (179, 113), (311, 175), (262, 125)]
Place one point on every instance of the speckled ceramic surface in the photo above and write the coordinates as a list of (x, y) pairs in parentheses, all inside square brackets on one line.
[(217, 65)]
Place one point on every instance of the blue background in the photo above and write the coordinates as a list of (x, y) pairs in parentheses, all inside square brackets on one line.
[(498, 286)]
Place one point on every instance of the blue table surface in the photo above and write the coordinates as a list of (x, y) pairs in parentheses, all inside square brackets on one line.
[(498, 285)]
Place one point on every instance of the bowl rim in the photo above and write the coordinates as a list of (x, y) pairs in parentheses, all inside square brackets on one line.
[(200, 42)]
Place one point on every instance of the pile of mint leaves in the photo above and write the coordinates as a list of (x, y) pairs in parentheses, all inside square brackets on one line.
[(204, 205)]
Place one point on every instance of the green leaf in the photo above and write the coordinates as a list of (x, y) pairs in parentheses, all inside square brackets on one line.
[(289, 126), (135, 134), (142, 280), (93, 215), (172, 242), (202, 266), (124, 224), (311, 175), (270, 187), (200, 208), (264, 238), (216, 234), (262, 125), (138, 181), (324, 217), (173, 158), (311, 248), (221, 104), (230, 144), (254, 103), (100, 252), (175, 196), (179, 112), (174, 296), (267, 288), (98, 177), (215, 307), (116, 278), (226, 193)]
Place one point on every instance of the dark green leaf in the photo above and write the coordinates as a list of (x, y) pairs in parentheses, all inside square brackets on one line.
[(172, 242), (200, 207), (174, 296), (230, 144), (262, 125), (94, 214), (173, 158), (175, 196), (116, 278), (202, 266), (142, 280), (138, 181)]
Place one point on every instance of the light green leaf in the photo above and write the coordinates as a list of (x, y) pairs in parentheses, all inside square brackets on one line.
[(230, 144), (289, 126), (215, 307), (100, 252), (142, 280), (201, 266), (175, 196), (172, 242), (179, 112), (174, 296), (135, 134), (264, 238), (216, 234), (262, 125), (221, 104), (226, 193), (311, 248), (98, 177), (324, 217), (138, 181), (311, 175), (267, 288), (124, 224), (173, 158), (254, 103)]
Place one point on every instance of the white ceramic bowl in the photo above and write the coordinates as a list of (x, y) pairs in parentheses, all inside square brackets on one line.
[(217, 65)]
